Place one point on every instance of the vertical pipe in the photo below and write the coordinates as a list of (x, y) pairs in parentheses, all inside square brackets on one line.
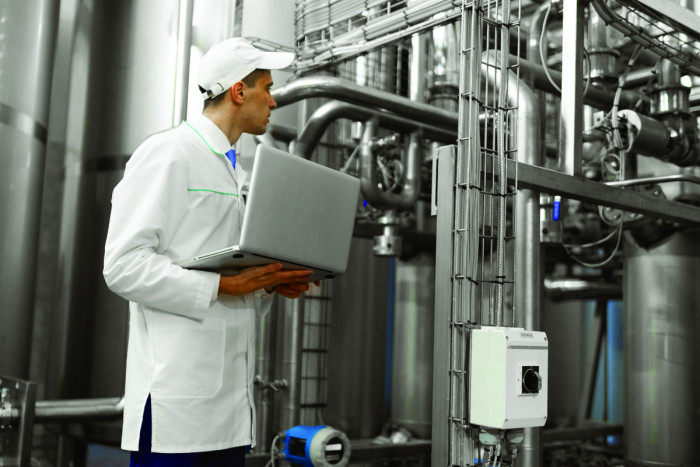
[(412, 369), (419, 64), (572, 88), (595, 342), (291, 362), (182, 64), (265, 330), (26, 62), (528, 258)]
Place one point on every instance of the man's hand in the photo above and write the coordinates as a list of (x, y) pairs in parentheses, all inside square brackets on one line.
[(265, 277)]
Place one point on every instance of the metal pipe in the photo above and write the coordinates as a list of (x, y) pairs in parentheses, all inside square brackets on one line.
[(369, 168), (79, 410), (347, 91), (657, 180), (265, 330), (182, 63), (528, 266), (73, 410), (382, 30), (291, 362), (571, 114), (581, 289), (438, 119), (595, 97), (329, 112)]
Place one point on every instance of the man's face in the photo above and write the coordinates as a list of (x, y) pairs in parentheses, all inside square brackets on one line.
[(257, 106)]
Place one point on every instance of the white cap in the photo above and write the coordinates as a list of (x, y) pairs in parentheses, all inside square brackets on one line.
[(232, 60)]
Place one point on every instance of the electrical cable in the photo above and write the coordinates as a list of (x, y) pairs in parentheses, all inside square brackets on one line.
[(602, 263), (273, 451), (588, 78), (541, 48), (597, 242), (617, 138)]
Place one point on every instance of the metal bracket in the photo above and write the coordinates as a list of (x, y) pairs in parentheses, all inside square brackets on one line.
[(17, 401)]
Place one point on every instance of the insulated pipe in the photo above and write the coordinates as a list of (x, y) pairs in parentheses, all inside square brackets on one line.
[(334, 110), (528, 265), (347, 91), (368, 169), (27, 44)]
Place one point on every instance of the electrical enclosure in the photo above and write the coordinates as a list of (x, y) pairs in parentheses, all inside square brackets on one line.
[(508, 378)]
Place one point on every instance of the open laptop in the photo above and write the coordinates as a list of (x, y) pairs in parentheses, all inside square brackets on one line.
[(299, 213)]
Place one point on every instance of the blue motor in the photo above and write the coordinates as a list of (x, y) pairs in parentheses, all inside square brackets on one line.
[(315, 446)]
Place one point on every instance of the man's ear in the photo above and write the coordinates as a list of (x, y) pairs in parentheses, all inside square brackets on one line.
[(237, 92)]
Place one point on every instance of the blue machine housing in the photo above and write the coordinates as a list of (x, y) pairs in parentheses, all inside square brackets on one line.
[(297, 442)]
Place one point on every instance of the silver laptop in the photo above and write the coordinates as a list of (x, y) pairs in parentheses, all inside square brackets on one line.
[(299, 213)]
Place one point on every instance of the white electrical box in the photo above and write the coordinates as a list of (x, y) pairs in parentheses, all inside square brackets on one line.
[(508, 378)]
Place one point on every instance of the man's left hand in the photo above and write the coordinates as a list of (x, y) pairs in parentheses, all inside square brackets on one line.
[(293, 290)]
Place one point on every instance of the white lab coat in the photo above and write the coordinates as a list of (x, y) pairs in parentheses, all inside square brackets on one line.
[(191, 351)]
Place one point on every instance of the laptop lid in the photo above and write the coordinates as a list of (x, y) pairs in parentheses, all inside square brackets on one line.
[(299, 211)]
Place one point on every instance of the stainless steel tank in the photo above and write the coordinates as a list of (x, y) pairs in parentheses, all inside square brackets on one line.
[(662, 322), (129, 96), (27, 38)]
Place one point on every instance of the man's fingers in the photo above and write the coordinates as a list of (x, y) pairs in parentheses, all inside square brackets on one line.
[(288, 276), (257, 271), (299, 286)]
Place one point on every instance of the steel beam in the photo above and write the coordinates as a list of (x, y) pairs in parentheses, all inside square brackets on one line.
[(557, 183)]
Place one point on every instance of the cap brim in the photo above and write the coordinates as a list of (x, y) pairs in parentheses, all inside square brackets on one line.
[(276, 60)]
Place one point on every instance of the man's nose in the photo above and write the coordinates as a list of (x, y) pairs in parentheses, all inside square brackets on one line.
[(272, 104)]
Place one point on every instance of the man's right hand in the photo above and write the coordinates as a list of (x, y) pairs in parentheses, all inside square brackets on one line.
[(260, 277)]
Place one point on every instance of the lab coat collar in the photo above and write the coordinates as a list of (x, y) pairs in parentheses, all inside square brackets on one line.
[(211, 133)]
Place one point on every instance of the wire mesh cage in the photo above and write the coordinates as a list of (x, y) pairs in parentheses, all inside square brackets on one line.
[(485, 195)]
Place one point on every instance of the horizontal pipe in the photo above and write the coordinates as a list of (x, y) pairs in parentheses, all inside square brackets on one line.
[(581, 432), (78, 410), (657, 180), (579, 289), (347, 91), (334, 110), (281, 132), (73, 410)]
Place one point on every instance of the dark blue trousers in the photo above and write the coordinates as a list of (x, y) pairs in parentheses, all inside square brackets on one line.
[(234, 457)]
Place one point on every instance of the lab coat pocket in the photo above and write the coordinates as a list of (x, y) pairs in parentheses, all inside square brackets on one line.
[(189, 361)]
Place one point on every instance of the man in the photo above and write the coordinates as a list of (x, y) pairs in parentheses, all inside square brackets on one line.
[(190, 361)]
